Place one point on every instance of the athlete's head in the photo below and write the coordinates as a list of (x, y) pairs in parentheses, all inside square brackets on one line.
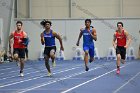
[(19, 25), (46, 24), (87, 22), (120, 25)]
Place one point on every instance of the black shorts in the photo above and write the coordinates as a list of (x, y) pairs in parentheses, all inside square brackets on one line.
[(48, 49), (20, 52), (122, 51)]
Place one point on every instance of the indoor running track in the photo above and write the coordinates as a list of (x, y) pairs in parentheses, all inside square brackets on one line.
[(70, 77)]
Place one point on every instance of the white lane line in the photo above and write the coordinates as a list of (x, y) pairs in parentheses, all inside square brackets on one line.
[(36, 77), (29, 73), (56, 80), (70, 89), (6, 69), (13, 67), (126, 83), (11, 72)]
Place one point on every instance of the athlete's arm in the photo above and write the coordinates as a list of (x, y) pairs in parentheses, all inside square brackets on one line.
[(128, 39), (10, 43), (42, 38), (94, 34), (80, 35), (114, 40), (60, 40), (25, 34), (24, 39)]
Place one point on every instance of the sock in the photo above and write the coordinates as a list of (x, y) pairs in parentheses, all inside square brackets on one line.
[(118, 67), (21, 71)]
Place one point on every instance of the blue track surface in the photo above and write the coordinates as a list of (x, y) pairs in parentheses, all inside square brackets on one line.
[(70, 77)]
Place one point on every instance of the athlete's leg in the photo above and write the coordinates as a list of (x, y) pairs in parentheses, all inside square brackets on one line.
[(52, 55), (123, 55), (21, 66), (22, 60), (86, 60), (91, 53), (86, 50), (118, 60), (16, 56), (47, 64), (26, 53), (46, 57)]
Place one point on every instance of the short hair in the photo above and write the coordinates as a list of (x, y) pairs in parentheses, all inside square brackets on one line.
[(43, 23), (88, 20), (120, 23), (19, 22)]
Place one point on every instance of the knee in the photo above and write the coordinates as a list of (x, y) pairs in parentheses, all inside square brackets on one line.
[(118, 56), (86, 53), (15, 56), (52, 54), (46, 58)]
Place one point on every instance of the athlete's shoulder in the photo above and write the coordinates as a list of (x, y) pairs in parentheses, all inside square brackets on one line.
[(53, 32), (125, 32), (82, 29), (24, 33), (93, 29), (116, 32), (42, 33), (13, 32)]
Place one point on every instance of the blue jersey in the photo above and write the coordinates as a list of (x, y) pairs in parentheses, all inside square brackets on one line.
[(87, 38), (49, 39)]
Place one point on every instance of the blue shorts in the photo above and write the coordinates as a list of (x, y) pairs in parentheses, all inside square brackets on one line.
[(90, 49)]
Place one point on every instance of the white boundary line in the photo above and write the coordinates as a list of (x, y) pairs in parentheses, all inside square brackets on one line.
[(36, 77), (55, 71), (70, 89), (57, 80), (32, 73), (13, 67), (11, 72), (126, 83), (66, 77)]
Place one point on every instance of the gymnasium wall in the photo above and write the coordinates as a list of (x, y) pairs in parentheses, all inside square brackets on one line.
[(1, 34), (69, 30), (6, 9), (68, 8)]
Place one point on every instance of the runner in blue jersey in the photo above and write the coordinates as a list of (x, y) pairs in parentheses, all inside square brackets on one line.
[(48, 39), (89, 34)]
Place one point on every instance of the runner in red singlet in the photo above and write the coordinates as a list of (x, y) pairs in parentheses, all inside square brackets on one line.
[(19, 37), (121, 41)]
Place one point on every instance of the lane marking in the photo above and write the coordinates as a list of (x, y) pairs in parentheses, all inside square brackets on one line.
[(36, 77), (126, 83), (29, 73), (54, 81), (70, 89), (57, 80)]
